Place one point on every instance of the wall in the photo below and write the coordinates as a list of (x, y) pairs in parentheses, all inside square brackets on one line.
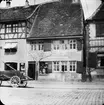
[(20, 56)]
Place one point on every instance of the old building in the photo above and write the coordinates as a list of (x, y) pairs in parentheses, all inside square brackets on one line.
[(56, 38), (15, 24), (46, 39), (95, 37)]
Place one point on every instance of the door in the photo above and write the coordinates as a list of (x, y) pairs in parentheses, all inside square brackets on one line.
[(31, 69)]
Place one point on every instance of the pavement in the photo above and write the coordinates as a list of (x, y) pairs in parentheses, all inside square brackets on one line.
[(70, 84), (54, 93)]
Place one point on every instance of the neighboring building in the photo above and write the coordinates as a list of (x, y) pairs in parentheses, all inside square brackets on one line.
[(15, 23), (95, 33), (46, 38)]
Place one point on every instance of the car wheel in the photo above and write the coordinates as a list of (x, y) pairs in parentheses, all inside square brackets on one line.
[(15, 81), (24, 83), (0, 82)]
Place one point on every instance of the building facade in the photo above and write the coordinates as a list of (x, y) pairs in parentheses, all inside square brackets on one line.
[(15, 24), (45, 39), (95, 33), (56, 40)]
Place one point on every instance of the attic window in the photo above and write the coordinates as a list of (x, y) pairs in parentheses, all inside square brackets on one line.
[(75, 1)]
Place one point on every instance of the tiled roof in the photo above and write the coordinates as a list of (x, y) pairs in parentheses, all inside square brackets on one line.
[(58, 19), (98, 14), (16, 13)]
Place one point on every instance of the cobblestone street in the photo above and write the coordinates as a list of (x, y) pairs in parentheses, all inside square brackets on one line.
[(53, 94)]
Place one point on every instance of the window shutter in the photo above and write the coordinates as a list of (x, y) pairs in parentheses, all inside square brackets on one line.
[(49, 67), (98, 30), (80, 68), (79, 45), (47, 46), (92, 60)]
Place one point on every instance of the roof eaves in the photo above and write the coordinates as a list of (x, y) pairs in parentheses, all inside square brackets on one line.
[(56, 37), (7, 21)]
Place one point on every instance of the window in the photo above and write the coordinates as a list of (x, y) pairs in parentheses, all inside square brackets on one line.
[(8, 28), (64, 66), (36, 46), (10, 48), (72, 66), (10, 66), (56, 66), (2, 30), (56, 45), (62, 42), (33, 45), (100, 61), (40, 46), (100, 30), (72, 44), (15, 27), (12, 28)]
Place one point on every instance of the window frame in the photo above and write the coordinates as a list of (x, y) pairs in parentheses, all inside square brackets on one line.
[(56, 66), (73, 65)]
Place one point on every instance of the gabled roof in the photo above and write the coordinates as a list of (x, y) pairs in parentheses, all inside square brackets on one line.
[(98, 14), (16, 13), (57, 19)]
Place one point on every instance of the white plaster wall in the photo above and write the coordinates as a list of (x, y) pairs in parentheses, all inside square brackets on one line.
[(92, 31), (20, 56)]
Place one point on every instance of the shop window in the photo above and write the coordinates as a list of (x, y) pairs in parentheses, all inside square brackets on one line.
[(64, 66), (10, 66), (100, 62), (72, 66), (56, 66)]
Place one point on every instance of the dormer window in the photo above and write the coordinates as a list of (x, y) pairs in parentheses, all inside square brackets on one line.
[(75, 1)]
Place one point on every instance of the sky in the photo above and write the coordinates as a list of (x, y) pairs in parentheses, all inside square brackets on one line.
[(89, 6)]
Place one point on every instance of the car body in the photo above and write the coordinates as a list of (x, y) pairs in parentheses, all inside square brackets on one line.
[(14, 76)]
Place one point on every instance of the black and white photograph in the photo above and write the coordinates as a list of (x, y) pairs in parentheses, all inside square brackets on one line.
[(52, 52)]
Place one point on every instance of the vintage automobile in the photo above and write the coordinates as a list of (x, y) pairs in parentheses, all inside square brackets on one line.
[(14, 77)]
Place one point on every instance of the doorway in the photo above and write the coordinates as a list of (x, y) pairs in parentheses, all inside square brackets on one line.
[(31, 69)]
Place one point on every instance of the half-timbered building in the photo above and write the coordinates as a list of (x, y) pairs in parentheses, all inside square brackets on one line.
[(95, 39), (46, 39), (15, 24)]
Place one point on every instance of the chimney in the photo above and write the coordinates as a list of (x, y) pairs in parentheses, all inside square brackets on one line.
[(8, 3), (26, 3)]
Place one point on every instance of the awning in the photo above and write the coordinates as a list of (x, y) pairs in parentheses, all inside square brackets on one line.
[(7, 45), (10, 45), (13, 45)]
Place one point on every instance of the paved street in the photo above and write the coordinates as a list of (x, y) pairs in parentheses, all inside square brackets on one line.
[(55, 93)]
